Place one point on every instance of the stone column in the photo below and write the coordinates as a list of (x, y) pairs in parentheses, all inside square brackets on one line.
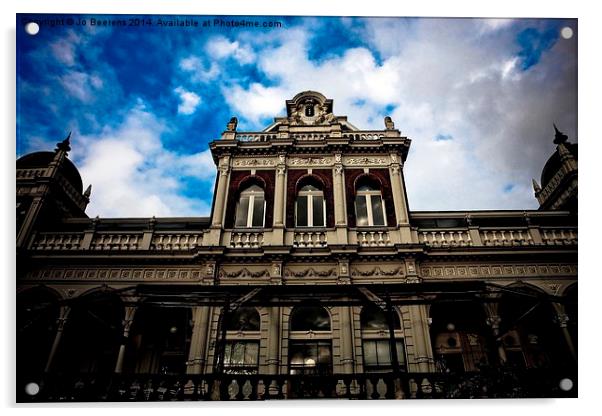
[(198, 345), (279, 201), (562, 320), (399, 199), (494, 322), (29, 222), (347, 356), (422, 338), (130, 311), (274, 334), (221, 193), (60, 326), (340, 213)]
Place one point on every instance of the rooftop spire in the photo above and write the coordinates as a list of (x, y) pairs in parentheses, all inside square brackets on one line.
[(536, 186), (88, 191), (560, 137), (65, 144)]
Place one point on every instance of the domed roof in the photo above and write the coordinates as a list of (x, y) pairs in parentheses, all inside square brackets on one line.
[(553, 164), (43, 159)]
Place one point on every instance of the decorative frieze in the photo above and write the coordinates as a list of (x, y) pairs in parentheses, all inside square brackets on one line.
[(365, 161), (259, 161), (496, 271), (116, 274), (243, 273), (309, 272), (310, 161), (377, 272)]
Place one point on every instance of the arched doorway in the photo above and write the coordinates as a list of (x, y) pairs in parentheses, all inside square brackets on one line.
[(529, 332), (159, 340), (37, 314), (459, 336), (92, 334)]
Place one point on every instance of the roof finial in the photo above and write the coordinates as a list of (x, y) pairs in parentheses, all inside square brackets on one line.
[(536, 187), (64, 145), (88, 191), (560, 137)]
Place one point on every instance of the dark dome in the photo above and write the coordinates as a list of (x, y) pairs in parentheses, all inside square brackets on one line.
[(43, 159), (553, 164)]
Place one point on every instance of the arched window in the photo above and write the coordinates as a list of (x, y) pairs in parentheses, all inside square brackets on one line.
[(376, 342), (310, 208), (250, 210), (369, 207), (310, 345), (241, 355)]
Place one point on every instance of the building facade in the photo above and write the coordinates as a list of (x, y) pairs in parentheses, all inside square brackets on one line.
[(311, 278)]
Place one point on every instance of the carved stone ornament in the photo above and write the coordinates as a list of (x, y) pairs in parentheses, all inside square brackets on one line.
[(377, 271), (244, 272), (310, 161), (310, 272), (365, 160), (259, 161)]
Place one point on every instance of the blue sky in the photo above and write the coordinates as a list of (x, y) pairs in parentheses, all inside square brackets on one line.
[(476, 96)]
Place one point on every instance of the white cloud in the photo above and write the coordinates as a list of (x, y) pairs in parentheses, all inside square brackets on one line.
[(219, 47), (133, 175), (189, 101), (200, 72), (64, 49), (81, 85), (458, 77)]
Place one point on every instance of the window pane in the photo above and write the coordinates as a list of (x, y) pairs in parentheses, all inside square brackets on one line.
[(242, 212), (383, 353), (305, 318), (243, 319), (377, 210), (258, 211), (318, 208), (370, 353), (324, 353), (361, 210), (302, 211), (251, 353), (401, 355)]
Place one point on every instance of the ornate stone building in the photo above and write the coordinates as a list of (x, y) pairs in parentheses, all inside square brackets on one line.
[(311, 278)]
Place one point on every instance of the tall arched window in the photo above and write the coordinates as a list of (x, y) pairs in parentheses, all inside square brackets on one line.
[(376, 341), (250, 210), (310, 208), (310, 343), (369, 207), (241, 354)]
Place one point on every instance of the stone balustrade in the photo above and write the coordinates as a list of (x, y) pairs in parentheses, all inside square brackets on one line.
[(559, 236), (376, 238), (30, 173), (246, 239), (255, 137), (445, 238), (176, 241), (309, 136), (116, 241), (364, 135), (310, 239), (57, 241), (506, 237)]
